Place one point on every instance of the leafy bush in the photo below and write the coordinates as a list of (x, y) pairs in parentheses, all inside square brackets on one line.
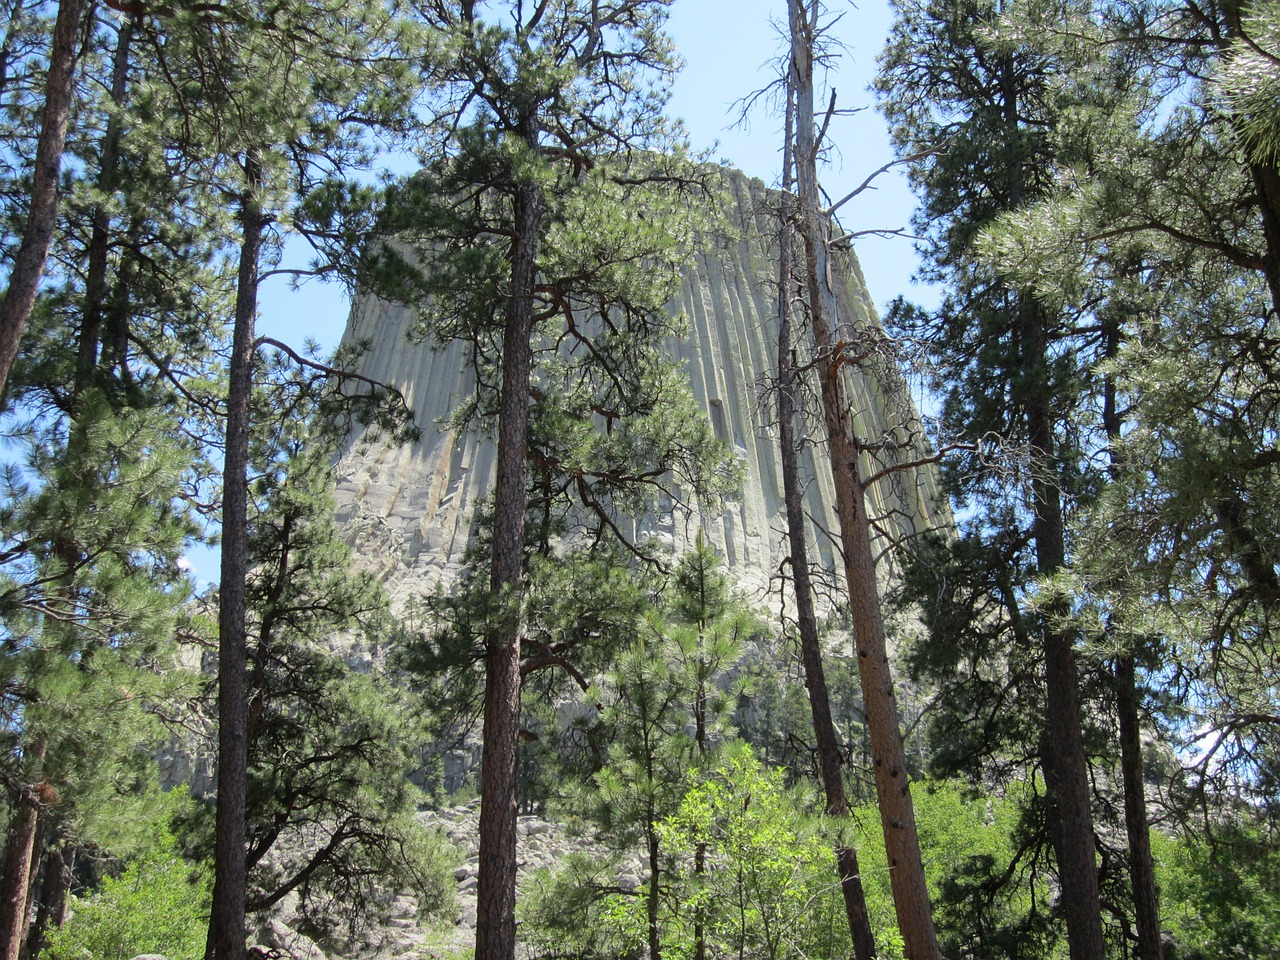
[(577, 911), (1219, 898), (158, 904), (768, 886)]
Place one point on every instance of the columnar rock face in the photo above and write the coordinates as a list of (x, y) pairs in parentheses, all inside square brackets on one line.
[(409, 508)]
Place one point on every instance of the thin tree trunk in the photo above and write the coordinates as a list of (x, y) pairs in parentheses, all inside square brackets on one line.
[(15, 892), (653, 899), (496, 887), (815, 681), (6, 49), (1142, 874), (52, 902), (100, 236), (33, 871), (700, 741), (893, 790), (33, 251), (226, 922), (1142, 878)]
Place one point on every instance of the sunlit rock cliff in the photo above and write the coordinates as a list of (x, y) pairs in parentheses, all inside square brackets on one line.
[(408, 508)]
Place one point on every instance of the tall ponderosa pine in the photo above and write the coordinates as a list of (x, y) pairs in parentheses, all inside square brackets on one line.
[(41, 219), (952, 83), (815, 681), (112, 335), (551, 236), (838, 345), (92, 597), (253, 132), (1174, 253)]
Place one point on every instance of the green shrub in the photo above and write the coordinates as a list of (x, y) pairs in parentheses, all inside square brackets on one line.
[(1219, 899), (158, 904)]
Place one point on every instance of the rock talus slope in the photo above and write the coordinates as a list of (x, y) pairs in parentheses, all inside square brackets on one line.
[(408, 509)]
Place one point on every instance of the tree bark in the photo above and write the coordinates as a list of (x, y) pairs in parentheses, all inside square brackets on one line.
[(226, 922), (6, 48), (893, 791), (19, 854), (33, 251), (1142, 875), (653, 898), (52, 909), (100, 236), (1267, 183), (1062, 743), (815, 680), (15, 891), (496, 885)]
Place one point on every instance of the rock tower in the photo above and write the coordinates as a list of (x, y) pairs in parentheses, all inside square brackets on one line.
[(409, 508)]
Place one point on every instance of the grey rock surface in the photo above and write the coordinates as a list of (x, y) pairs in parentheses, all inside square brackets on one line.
[(408, 508)]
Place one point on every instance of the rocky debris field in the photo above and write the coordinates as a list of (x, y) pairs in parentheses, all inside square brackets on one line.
[(542, 845)]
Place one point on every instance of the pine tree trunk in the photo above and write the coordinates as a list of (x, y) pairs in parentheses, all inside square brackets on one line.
[(15, 889), (654, 895), (1142, 873), (33, 251), (815, 680), (33, 870), (893, 791), (1142, 878), (19, 852), (1071, 817), (6, 48), (52, 902), (226, 921), (100, 236), (1062, 745), (1267, 183), (496, 886)]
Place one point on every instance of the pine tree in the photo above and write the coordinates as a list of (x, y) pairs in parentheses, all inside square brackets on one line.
[(852, 480), (267, 141), (550, 234), (1179, 237), (29, 262), (92, 598), (952, 82), (664, 714), (329, 803), (815, 682)]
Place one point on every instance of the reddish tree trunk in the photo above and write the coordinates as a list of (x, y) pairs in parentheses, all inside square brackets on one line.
[(893, 791), (19, 853), (815, 680), (496, 886), (226, 922), (33, 251), (52, 909), (15, 894)]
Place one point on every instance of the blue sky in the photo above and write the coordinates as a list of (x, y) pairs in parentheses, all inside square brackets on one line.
[(728, 46)]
